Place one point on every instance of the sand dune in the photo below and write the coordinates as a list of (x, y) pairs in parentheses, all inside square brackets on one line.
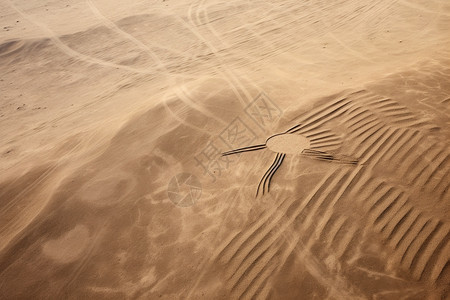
[(114, 118)]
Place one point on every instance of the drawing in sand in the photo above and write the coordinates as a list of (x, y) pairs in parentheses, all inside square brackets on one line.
[(290, 143)]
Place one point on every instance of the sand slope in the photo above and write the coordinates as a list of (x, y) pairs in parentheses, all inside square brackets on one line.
[(102, 105)]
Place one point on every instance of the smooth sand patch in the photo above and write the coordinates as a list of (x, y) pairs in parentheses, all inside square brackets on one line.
[(69, 246), (288, 143)]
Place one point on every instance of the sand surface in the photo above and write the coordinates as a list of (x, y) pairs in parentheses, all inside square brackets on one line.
[(114, 115)]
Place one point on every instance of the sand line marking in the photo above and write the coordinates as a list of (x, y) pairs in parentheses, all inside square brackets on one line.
[(288, 143)]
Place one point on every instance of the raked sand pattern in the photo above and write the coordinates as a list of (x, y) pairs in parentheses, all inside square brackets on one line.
[(122, 174), (350, 206)]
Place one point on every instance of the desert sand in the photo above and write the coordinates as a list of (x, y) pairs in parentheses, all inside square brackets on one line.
[(333, 118)]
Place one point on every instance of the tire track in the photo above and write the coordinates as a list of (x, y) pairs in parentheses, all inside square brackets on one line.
[(128, 36), (72, 53)]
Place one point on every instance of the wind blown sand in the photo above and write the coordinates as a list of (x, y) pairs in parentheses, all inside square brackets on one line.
[(103, 104)]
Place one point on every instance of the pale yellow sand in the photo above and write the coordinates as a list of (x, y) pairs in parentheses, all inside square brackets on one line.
[(103, 104)]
